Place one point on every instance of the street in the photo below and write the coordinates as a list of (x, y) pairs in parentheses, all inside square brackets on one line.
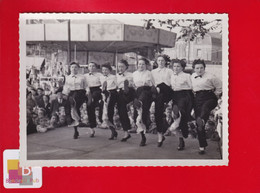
[(58, 144)]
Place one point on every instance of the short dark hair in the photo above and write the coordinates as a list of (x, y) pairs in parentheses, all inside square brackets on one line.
[(123, 61), (74, 63), (165, 57), (107, 65), (94, 63), (199, 61), (145, 60), (182, 62)]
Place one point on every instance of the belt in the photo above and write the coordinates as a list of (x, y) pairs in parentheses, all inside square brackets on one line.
[(203, 91)]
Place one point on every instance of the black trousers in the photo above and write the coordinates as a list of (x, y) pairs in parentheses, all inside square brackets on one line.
[(123, 100), (204, 103), (111, 104), (96, 98), (184, 100), (79, 97), (144, 94), (163, 97)]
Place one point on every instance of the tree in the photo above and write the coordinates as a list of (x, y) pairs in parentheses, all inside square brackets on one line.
[(189, 28)]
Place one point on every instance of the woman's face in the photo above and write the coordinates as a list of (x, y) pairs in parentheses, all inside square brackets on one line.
[(177, 68), (92, 67), (121, 67), (105, 71), (161, 62), (199, 69), (141, 65), (74, 69)]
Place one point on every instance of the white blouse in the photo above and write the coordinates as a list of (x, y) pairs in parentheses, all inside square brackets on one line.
[(111, 81), (122, 77), (93, 79), (74, 82), (207, 81), (181, 81), (162, 75), (143, 78)]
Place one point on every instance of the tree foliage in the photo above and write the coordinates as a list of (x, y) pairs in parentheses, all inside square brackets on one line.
[(189, 28)]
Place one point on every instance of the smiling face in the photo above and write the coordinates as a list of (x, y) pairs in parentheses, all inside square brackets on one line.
[(141, 65), (199, 69), (74, 69), (92, 67), (105, 71), (177, 68), (161, 62), (121, 67)]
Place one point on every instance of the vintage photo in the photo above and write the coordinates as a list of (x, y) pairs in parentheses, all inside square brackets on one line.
[(123, 89)]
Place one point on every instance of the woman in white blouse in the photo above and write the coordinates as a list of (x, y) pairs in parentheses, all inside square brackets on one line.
[(207, 88), (143, 81), (126, 94), (94, 95), (182, 98), (109, 89)]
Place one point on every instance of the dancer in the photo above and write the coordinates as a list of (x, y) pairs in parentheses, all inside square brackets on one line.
[(143, 82), (109, 90), (75, 87), (126, 94), (94, 95), (207, 89), (183, 98), (162, 90)]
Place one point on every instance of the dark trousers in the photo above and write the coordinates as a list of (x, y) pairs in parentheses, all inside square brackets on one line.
[(144, 94), (96, 98), (111, 105), (163, 97), (79, 97), (123, 100), (204, 103), (184, 100)]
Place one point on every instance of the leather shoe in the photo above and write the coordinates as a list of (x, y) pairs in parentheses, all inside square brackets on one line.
[(160, 143), (126, 138)]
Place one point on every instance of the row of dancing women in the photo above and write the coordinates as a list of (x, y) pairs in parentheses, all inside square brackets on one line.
[(199, 91)]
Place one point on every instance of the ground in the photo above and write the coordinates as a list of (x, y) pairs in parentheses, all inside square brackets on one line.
[(59, 144)]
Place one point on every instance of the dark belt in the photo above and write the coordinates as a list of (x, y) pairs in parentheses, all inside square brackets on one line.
[(203, 92), (94, 88)]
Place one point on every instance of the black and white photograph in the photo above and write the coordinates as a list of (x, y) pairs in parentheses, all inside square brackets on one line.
[(123, 89)]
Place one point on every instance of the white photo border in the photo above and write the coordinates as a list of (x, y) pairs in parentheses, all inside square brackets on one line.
[(124, 162)]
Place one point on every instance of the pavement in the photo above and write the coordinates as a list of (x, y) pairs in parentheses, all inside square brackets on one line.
[(58, 144)]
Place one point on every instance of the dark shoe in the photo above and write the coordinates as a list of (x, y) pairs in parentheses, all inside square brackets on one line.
[(160, 143), (126, 138), (202, 151), (143, 142), (92, 135), (76, 135), (181, 145), (113, 136)]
